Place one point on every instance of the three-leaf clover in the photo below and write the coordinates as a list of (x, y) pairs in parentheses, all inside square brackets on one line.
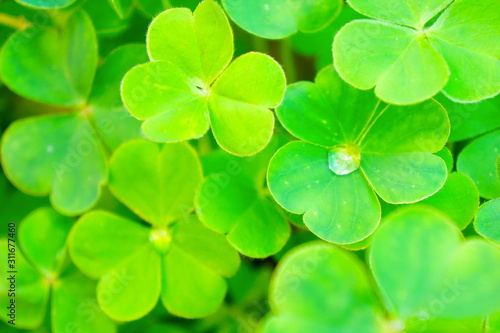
[(232, 200), (59, 153), (353, 147), (275, 19), (410, 52), (425, 272), (176, 259), (190, 85), (39, 271)]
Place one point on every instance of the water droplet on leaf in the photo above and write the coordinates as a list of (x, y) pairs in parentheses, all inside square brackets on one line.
[(344, 159)]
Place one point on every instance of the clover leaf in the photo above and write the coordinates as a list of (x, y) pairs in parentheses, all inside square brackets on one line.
[(319, 44), (486, 222), (232, 200), (442, 283), (177, 259), (458, 198), (478, 160), (276, 19), (314, 269), (190, 85), (469, 120), (57, 153), (439, 275), (410, 52), (354, 146), (41, 273)]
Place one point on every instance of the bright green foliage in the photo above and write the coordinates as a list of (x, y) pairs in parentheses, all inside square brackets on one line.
[(122, 7), (408, 61), (295, 291), (32, 68), (46, 4), (57, 153), (439, 277), (232, 200), (469, 120), (355, 146), (197, 211), (158, 184), (447, 157), (319, 44), (42, 273), (178, 259), (458, 198), (275, 19), (104, 17), (479, 161), (487, 222), (189, 86)]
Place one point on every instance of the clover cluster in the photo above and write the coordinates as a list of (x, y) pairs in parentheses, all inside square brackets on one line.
[(250, 166)]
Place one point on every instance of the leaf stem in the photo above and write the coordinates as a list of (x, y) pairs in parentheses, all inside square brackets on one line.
[(357, 141), (14, 22), (371, 125), (288, 60), (260, 45)]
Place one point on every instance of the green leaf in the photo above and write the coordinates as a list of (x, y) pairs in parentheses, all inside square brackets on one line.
[(192, 283), (122, 7), (185, 264), (239, 113), (32, 291), (408, 62), (74, 305), (447, 157), (130, 262), (111, 118), (413, 13), (469, 120), (458, 198), (468, 32), (200, 44), (478, 161), (61, 153), (438, 275), (46, 4), (177, 97), (34, 231), (157, 184), (162, 95), (301, 181), (392, 145), (297, 298), (385, 59), (275, 19), (319, 44), (236, 205), (104, 17), (56, 65), (486, 222), (405, 177)]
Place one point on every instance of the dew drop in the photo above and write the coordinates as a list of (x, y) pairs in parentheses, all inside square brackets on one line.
[(344, 159)]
